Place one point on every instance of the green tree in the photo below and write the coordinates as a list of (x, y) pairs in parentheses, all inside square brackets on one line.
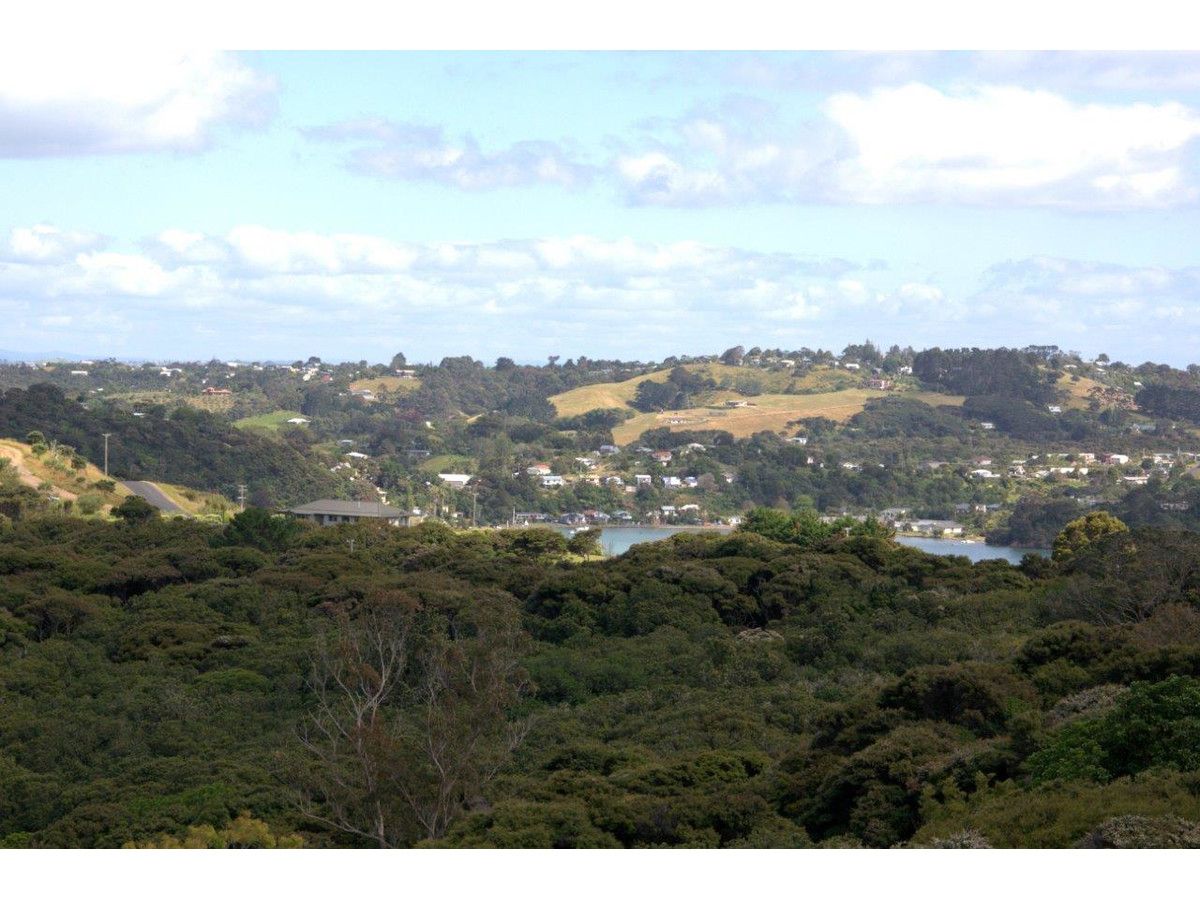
[(134, 509), (1083, 532)]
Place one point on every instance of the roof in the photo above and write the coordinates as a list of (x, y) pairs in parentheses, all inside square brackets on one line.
[(361, 508)]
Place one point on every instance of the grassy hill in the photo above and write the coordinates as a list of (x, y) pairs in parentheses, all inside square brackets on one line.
[(65, 482), (824, 391), (69, 484), (767, 412), (383, 384), (267, 422)]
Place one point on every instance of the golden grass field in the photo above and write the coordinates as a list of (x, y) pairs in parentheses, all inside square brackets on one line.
[(769, 412), (381, 384), (838, 397), (1078, 391)]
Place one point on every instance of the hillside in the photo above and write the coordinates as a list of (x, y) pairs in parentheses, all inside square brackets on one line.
[(775, 397), (620, 394), (767, 412), (65, 482), (190, 448)]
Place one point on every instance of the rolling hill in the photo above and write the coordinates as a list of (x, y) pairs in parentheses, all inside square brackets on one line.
[(824, 391)]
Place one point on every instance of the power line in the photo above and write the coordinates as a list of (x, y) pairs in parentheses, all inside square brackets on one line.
[(107, 435)]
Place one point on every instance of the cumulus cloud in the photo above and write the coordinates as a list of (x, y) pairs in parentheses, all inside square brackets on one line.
[(112, 101), (989, 145), (47, 244), (1007, 144), (410, 152), (256, 289), (1150, 310)]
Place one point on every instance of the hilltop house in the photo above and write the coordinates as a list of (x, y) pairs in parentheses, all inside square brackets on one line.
[(454, 479), (338, 512)]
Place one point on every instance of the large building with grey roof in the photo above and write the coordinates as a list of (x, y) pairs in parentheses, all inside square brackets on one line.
[(341, 512)]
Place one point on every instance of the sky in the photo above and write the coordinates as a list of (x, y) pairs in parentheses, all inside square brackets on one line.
[(636, 205)]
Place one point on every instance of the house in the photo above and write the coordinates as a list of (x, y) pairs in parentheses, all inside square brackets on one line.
[(798, 439), (615, 480), (988, 426), (552, 481), (354, 454), (210, 391), (298, 420), (879, 384), (1136, 479), (456, 480), (691, 481), (661, 456), (363, 394), (696, 448), (671, 481), (983, 473), (609, 450), (1054, 408), (640, 480), (85, 372), (406, 373), (892, 513), (934, 527), (1116, 459), (586, 461), (737, 404), (538, 469), (853, 367), (339, 512)]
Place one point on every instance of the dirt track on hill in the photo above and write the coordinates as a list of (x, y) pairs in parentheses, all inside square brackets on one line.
[(17, 459)]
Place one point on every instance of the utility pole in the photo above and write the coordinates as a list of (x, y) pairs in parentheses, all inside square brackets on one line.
[(474, 509), (242, 497), (107, 435)]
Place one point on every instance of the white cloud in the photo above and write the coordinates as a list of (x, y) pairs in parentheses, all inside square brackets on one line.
[(916, 143), (1108, 303), (409, 152), (45, 243), (111, 101), (254, 287), (984, 145)]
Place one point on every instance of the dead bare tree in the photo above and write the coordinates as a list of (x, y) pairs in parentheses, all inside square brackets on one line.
[(412, 716)]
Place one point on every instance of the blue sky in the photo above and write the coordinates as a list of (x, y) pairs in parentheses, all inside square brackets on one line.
[(634, 205)]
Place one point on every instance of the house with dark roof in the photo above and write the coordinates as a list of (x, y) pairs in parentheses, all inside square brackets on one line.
[(340, 512)]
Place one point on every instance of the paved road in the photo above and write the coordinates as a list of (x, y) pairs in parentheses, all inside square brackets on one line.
[(152, 495)]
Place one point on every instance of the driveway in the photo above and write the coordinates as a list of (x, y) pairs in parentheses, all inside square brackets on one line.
[(152, 495)]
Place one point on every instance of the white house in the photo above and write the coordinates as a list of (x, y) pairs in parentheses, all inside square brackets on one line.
[(552, 481), (454, 479)]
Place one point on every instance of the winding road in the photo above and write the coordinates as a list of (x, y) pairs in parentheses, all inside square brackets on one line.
[(152, 495)]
